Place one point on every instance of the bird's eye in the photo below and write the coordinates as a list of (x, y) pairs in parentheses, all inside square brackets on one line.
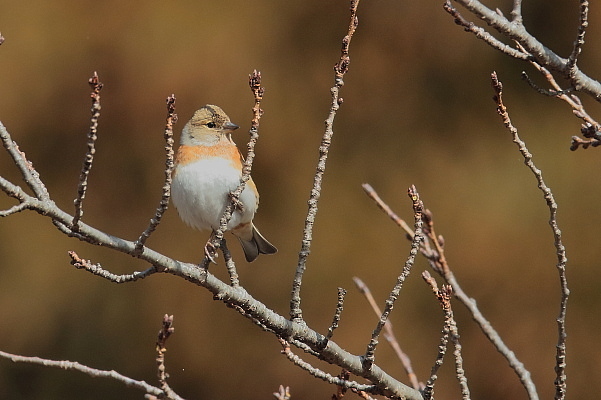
[(211, 125)]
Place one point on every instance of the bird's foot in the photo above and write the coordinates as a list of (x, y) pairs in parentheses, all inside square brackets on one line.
[(211, 252)]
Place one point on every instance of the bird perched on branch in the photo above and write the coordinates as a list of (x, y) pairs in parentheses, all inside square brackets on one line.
[(208, 168)]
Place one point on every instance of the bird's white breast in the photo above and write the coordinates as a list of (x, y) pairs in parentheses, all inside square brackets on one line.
[(200, 193)]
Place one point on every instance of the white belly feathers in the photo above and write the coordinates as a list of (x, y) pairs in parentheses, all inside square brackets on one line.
[(200, 193)]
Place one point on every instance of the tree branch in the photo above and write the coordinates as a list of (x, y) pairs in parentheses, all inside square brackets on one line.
[(316, 372), (235, 297), (340, 69), (82, 186), (337, 313), (560, 381), (254, 82), (93, 372), (28, 172), (389, 335), (169, 165), (394, 294), (166, 330), (433, 250), (449, 331), (515, 31), (579, 42)]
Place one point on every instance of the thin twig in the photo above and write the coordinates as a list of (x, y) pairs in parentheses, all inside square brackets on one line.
[(384, 207), (28, 172), (435, 256), (166, 190), (97, 269), (389, 334), (82, 186), (16, 192), (166, 330), (337, 313), (316, 372), (449, 331), (560, 381), (585, 143), (591, 129), (230, 264), (340, 69), (394, 294), (446, 293), (579, 42), (534, 49), (254, 82), (543, 91), (442, 347), (439, 264), (93, 372), (14, 209), (482, 34)]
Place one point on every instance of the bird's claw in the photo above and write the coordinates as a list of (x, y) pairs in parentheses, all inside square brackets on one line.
[(211, 252)]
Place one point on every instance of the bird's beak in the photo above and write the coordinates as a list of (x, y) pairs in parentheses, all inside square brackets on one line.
[(230, 126)]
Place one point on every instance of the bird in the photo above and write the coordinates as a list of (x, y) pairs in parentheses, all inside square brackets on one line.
[(208, 167)]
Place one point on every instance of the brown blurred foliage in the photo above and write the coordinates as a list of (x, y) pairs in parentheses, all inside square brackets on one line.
[(416, 110)]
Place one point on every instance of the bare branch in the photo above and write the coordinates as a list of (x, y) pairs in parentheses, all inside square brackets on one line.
[(28, 172), (579, 42), (440, 265), (82, 186), (16, 192), (389, 334), (97, 269), (394, 294), (337, 313), (229, 264), (390, 337), (545, 92), (585, 143), (169, 164), (432, 249), (515, 31), (93, 372), (254, 82), (560, 381), (166, 330), (449, 331), (235, 297), (481, 33), (14, 209), (316, 372), (340, 70), (442, 347), (384, 207), (591, 129)]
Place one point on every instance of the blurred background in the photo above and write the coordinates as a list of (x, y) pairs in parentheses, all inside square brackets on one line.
[(417, 110)]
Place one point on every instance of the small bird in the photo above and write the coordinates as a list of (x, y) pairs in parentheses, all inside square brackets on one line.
[(208, 167)]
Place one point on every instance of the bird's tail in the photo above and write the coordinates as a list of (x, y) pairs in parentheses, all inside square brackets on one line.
[(256, 245)]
